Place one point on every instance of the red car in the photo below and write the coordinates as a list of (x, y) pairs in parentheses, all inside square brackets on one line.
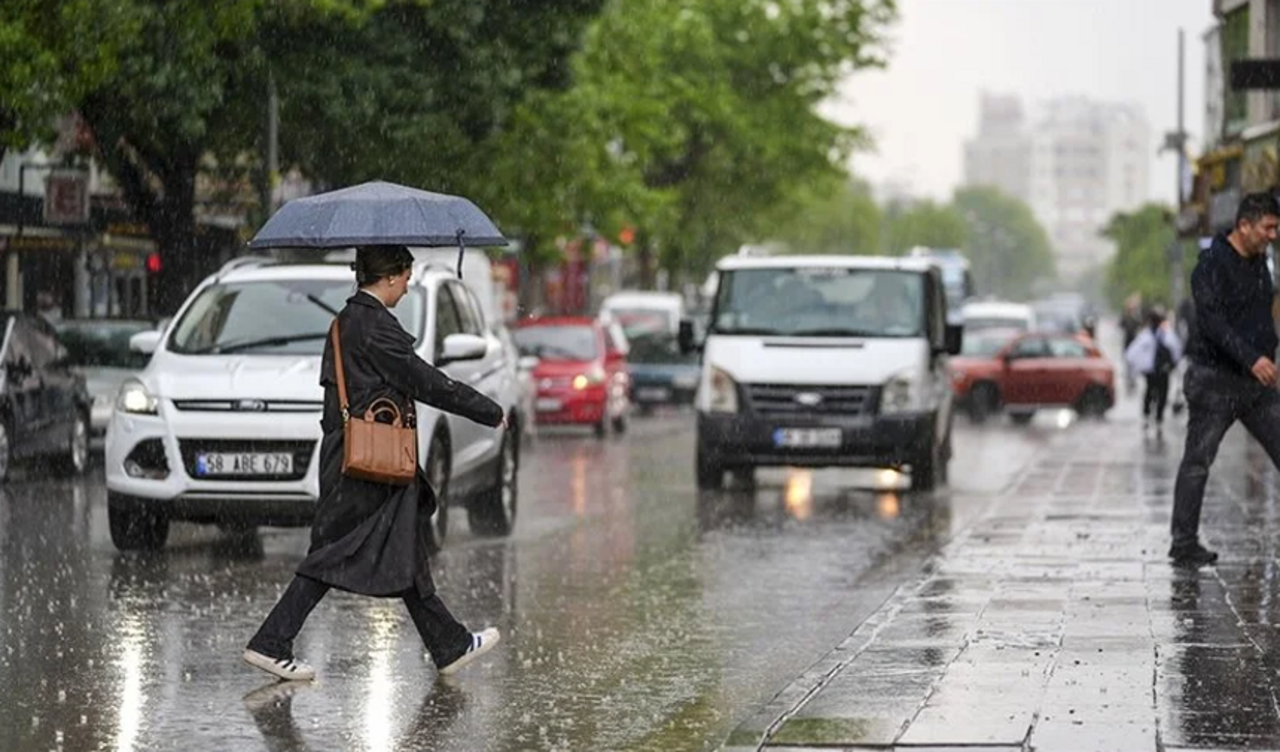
[(1023, 373), (581, 376)]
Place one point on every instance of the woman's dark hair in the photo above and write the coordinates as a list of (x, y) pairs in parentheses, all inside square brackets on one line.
[(373, 262), (1155, 317)]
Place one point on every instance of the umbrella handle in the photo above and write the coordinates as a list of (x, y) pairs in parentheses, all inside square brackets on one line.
[(462, 250)]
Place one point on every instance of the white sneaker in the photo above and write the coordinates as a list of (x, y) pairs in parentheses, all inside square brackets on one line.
[(481, 643), (285, 668)]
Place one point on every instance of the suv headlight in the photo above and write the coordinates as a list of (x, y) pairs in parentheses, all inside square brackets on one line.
[(134, 398), (723, 392), (902, 393)]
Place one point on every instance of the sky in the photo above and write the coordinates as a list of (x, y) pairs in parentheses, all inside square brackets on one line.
[(923, 107)]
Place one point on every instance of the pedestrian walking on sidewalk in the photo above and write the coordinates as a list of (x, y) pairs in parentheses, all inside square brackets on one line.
[(1232, 374), (1130, 326), (1154, 353), (368, 537)]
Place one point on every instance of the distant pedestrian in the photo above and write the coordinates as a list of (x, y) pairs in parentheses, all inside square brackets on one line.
[(1130, 325), (371, 538), (1232, 375), (1155, 353), (48, 307)]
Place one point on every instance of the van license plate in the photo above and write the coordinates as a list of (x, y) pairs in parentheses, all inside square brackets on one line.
[(248, 463), (812, 438)]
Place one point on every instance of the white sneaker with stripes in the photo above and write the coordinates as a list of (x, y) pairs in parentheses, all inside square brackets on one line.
[(481, 643), (288, 669)]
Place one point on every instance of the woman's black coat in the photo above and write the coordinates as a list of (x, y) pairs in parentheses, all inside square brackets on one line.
[(371, 538)]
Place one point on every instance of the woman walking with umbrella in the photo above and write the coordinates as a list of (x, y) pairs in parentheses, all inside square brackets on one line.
[(371, 537)]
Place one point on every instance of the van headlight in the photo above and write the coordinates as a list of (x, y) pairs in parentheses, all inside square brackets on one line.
[(134, 398), (723, 392), (902, 393)]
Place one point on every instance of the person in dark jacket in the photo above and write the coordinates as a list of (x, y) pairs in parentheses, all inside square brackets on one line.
[(1232, 374), (372, 538)]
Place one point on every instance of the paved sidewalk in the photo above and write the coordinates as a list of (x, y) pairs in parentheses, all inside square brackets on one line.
[(1055, 622)]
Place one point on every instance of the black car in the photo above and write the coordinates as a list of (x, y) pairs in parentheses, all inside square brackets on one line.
[(44, 405)]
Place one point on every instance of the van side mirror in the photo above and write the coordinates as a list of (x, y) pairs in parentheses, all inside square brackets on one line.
[(953, 339), (688, 338)]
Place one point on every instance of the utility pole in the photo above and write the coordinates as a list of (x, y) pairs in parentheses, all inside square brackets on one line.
[(1177, 142), (272, 181)]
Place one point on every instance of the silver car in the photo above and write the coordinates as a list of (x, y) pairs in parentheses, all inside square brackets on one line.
[(98, 349)]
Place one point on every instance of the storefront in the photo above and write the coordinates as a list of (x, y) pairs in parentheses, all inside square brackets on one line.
[(1219, 187)]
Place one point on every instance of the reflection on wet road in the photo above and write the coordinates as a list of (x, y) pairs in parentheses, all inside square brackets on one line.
[(636, 614)]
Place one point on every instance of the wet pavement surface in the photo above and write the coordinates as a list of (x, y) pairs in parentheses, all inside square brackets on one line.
[(1056, 622), (636, 613)]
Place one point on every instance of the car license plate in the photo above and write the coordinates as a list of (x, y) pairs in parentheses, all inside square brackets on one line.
[(548, 405), (808, 438), (653, 394), (244, 463)]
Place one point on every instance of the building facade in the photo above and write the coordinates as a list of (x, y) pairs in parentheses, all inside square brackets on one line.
[(1076, 162)]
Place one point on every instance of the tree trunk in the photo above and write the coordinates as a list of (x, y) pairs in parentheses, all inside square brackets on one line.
[(644, 255), (173, 225)]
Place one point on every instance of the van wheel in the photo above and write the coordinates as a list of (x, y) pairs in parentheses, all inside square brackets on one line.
[(927, 468), (136, 529), (438, 476), (710, 474), (984, 401), (494, 512)]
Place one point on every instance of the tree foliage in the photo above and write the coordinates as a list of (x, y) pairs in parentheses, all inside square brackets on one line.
[(836, 216), (692, 120), (53, 52), (1008, 249), (923, 223), (1141, 263)]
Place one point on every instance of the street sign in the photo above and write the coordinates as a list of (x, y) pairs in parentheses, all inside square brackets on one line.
[(1258, 73), (66, 198)]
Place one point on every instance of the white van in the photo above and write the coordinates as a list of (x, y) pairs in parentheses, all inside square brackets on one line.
[(996, 314), (825, 361), (643, 312)]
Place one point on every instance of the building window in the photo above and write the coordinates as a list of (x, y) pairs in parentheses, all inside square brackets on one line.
[(1235, 46)]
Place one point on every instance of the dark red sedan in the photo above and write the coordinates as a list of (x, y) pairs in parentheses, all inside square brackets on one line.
[(1023, 374)]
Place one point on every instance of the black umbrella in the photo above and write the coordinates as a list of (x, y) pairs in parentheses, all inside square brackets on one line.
[(378, 213)]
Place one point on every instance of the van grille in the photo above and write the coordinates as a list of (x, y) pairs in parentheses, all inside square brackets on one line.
[(790, 400)]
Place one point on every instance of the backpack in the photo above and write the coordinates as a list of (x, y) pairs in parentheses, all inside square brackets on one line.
[(1164, 357)]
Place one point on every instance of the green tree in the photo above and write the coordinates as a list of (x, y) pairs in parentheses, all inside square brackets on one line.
[(53, 52), (694, 119), (1141, 263), (1007, 247), (923, 223), (401, 90), (834, 216)]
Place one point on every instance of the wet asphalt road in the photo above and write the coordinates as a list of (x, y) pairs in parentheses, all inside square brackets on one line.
[(636, 614)]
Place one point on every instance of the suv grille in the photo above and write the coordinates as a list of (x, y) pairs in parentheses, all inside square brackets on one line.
[(791, 400), (301, 451), (249, 405)]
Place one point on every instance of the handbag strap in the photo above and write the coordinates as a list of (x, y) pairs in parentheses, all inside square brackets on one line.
[(337, 366)]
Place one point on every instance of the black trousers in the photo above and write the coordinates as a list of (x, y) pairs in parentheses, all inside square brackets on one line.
[(1215, 401), (1156, 396), (446, 639)]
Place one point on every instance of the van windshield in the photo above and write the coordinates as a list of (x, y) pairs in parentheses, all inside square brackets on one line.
[(820, 301)]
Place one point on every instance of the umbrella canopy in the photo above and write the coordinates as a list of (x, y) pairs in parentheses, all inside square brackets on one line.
[(378, 213)]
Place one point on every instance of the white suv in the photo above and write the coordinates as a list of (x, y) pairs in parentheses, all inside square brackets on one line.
[(223, 426)]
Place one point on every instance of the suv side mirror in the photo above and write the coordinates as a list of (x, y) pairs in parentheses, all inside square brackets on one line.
[(687, 337), (459, 347), (953, 339), (146, 342)]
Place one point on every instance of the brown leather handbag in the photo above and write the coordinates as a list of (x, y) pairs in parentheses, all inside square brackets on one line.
[(372, 450)]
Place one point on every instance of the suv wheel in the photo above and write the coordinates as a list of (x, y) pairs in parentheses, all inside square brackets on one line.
[(1093, 403), (75, 458), (136, 529), (6, 452), (494, 511), (438, 477)]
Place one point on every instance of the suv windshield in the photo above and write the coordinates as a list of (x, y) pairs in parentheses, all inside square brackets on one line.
[(277, 317), (820, 301), (986, 343), (103, 344), (638, 322), (557, 342)]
